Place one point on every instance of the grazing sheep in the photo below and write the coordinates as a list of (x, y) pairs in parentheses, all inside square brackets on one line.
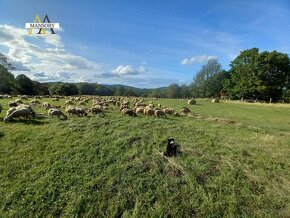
[(95, 110), (169, 111), (129, 112), (71, 111), (159, 113), (139, 110), (26, 106), (55, 112), (46, 105), (191, 102), (184, 110), (216, 100), (23, 112), (81, 111), (149, 111)]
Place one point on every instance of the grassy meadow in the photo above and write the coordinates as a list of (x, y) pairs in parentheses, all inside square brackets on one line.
[(233, 161)]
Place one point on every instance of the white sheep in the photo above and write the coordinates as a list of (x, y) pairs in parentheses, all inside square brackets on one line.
[(81, 111), (96, 110), (129, 112), (184, 111), (149, 111), (55, 112), (46, 105), (26, 106), (169, 111), (159, 113), (23, 112), (139, 110)]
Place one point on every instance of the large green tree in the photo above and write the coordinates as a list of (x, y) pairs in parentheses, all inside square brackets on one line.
[(203, 82), (25, 85), (259, 75), (173, 91)]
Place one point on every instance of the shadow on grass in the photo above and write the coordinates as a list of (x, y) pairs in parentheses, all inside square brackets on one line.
[(32, 122)]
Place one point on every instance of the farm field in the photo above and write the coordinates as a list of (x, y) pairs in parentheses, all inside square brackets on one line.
[(233, 161)]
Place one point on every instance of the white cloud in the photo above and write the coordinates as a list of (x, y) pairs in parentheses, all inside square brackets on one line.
[(47, 60), (128, 70), (197, 59), (34, 54)]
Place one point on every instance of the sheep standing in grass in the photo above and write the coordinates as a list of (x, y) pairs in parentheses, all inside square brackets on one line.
[(129, 112), (46, 105), (149, 111), (71, 111), (139, 110), (184, 111), (96, 110), (159, 113), (81, 111), (26, 106), (55, 112), (75, 111), (169, 111), (23, 112)]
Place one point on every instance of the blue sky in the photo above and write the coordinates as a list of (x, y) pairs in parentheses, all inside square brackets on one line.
[(139, 43)]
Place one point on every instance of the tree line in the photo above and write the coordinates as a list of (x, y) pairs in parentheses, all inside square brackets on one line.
[(252, 75)]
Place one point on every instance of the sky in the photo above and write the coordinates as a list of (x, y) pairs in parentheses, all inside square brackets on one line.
[(141, 43)]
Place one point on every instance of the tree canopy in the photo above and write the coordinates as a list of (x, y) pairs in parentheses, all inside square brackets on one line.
[(259, 75)]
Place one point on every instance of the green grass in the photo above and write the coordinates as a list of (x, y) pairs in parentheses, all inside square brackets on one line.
[(234, 161)]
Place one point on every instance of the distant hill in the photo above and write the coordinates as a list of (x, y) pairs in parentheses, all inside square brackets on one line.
[(138, 91)]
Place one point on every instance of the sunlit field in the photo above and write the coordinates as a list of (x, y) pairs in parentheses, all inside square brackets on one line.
[(233, 161)]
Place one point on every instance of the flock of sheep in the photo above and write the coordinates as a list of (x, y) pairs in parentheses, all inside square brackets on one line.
[(72, 107)]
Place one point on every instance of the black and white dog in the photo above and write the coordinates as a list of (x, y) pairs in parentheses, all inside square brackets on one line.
[(171, 149)]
